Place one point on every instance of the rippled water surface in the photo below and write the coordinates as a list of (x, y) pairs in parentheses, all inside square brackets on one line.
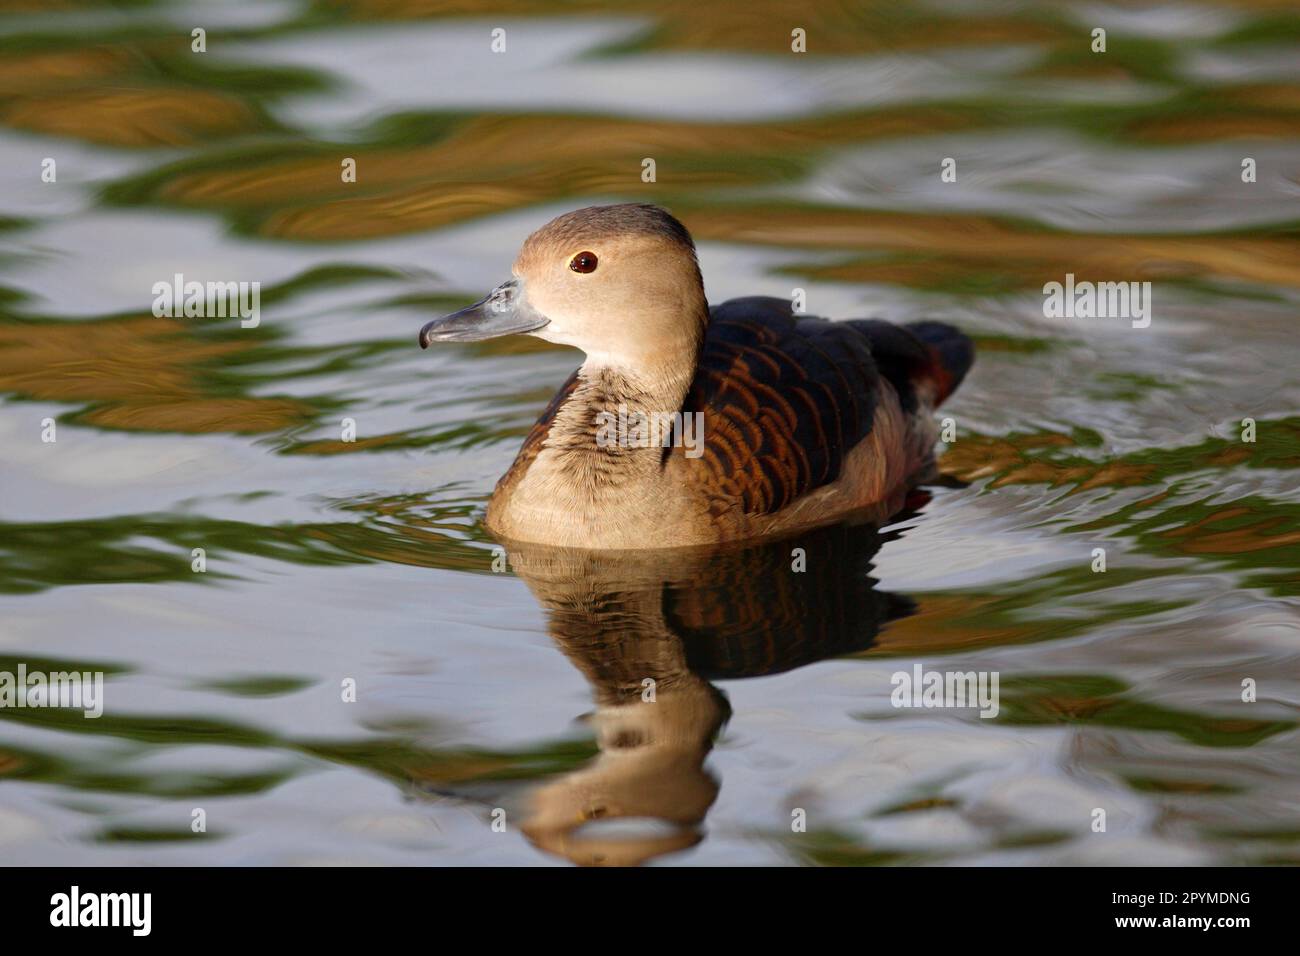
[(480, 692)]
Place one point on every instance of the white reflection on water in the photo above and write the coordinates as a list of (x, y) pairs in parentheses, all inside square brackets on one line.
[(449, 65)]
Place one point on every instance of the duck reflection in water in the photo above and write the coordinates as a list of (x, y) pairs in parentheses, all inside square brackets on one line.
[(650, 631)]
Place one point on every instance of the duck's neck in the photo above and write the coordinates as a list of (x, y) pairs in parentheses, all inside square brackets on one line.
[(613, 427)]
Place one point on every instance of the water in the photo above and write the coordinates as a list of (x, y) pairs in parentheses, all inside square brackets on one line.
[(480, 694)]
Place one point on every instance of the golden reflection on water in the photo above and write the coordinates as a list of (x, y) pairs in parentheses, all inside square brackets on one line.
[(126, 117), (139, 373)]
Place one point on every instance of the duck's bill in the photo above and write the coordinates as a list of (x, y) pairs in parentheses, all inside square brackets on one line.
[(504, 312)]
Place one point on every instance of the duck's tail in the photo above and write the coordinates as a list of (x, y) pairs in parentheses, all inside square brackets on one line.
[(925, 360), (952, 354)]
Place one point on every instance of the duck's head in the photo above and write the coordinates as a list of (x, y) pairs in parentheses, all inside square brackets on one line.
[(619, 282)]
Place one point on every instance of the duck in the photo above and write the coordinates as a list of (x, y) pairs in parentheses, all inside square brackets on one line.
[(689, 424)]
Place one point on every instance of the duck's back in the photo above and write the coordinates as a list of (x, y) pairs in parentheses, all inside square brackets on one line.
[(804, 418)]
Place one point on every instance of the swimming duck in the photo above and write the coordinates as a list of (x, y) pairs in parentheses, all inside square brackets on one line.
[(690, 425)]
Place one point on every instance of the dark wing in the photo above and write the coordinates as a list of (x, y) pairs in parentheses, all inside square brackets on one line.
[(784, 399)]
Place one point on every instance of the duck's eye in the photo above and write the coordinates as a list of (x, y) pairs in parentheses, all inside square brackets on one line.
[(583, 262)]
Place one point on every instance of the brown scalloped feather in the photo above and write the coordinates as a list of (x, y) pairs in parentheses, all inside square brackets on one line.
[(784, 398)]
